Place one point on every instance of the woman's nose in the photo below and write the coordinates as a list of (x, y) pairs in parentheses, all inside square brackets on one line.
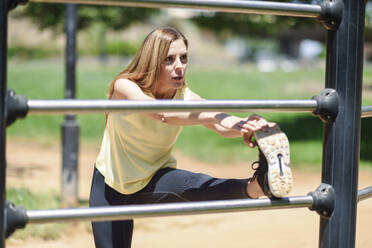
[(178, 63)]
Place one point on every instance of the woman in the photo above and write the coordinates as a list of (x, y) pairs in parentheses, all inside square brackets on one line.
[(135, 164)]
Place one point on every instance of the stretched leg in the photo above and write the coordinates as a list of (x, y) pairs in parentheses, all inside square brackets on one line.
[(109, 234), (174, 185)]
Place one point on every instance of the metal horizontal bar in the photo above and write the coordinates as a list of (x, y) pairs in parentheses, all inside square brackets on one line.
[(365, 193), (128, 106), (366, 111), (164, 209), (234, 6)]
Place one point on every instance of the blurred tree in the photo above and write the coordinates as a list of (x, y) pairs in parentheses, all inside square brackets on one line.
[(368, 24), (225, 24), (288, 30), (51, 16)]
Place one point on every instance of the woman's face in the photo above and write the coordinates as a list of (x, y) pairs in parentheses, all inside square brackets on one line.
[(173, 69)]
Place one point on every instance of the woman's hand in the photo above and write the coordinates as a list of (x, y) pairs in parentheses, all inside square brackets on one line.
[(254, 123), (244, 127)]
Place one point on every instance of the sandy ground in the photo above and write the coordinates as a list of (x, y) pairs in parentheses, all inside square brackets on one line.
[(38, 167)]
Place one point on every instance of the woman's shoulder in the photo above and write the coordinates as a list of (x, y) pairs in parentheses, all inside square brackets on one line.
[(127, 89), (125, 82), (188, 94)]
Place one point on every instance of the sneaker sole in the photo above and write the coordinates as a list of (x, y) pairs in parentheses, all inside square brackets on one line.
[(275, 146)]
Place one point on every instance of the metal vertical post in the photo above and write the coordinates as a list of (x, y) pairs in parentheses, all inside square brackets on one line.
[(341, 141), (70, 129), (3, 78)]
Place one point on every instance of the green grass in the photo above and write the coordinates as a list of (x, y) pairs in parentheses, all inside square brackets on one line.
[(31, 52), (240, 83), (29, 200), (32, 200), (46, 81)]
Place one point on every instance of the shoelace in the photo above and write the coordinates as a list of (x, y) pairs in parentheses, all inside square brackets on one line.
[(254, 167)]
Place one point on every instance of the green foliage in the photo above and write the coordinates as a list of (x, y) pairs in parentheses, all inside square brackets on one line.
[(99, 18), (229, 24), (30, 200), (368, 22), (44, 15), (263, 26), (266, 26), (52, 16), (31, 52), (114, 18), (120, 48)]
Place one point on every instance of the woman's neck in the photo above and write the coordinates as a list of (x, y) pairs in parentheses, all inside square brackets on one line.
[(165, 95)]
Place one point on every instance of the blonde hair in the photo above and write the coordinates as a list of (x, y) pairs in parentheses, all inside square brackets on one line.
[(145, 66)]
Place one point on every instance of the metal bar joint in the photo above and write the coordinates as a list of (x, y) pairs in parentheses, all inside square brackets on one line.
[(15, 107), (323, 200), (327, 105), (15, 218), (331, 13)]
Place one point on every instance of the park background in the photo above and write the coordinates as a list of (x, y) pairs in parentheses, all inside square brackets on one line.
[(231, 57)]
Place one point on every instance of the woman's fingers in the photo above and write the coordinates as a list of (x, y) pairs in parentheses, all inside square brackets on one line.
[(271, 124), (254, 125), (246, 126), (255, 117), (255, 122), (247, 138)]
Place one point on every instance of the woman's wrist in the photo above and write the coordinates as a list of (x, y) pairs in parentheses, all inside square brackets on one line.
[(219, 117)]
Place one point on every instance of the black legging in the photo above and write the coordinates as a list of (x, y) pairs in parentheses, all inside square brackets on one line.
[(168, 185)]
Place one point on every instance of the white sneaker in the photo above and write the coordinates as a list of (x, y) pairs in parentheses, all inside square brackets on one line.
[(274, 145)]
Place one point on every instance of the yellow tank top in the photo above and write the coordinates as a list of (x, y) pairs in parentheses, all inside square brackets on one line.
[(135, 147)]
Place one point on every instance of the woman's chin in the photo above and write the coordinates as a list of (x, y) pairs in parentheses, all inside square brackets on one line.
[(178, 83)]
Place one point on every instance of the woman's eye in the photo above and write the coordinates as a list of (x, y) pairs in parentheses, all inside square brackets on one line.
[(168, 59), (184, 57)]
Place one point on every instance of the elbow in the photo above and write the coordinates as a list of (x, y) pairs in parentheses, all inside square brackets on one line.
[(163, 119)]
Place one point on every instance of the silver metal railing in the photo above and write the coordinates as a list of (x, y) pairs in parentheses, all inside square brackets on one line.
[(164, 209), (172, 209), (365, 193), (125, 106), (71, 106), (366, 111), (235, 6)]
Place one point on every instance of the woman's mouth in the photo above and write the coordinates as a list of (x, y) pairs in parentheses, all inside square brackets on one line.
[(177, 78)]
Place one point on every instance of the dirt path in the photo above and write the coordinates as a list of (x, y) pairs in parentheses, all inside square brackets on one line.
[(37, 166)]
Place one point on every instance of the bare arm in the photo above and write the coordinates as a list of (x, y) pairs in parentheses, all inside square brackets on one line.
[(126, 89), (232, 126), (222, 123)]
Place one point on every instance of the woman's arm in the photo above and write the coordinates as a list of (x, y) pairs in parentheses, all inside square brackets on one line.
[(126, 89), (238, 126), (224, 132), (252, 124), (222, 123)]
